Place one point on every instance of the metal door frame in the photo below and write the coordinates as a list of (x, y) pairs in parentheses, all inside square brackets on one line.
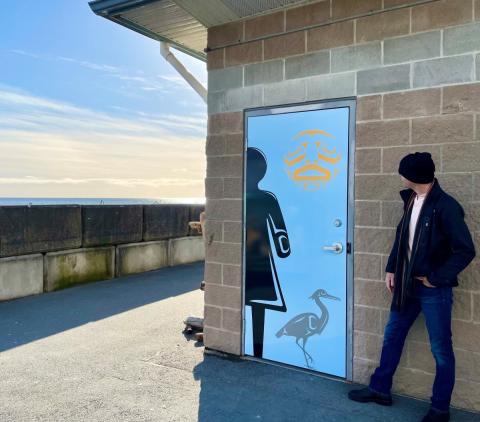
[(349, 102)]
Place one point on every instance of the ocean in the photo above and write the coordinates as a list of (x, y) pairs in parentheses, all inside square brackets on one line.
[(99, 201)]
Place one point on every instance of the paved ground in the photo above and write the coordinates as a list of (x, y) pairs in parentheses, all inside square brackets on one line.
[(114, 351)]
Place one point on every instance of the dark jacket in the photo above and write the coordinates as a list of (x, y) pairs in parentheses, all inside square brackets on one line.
[(442, 244)]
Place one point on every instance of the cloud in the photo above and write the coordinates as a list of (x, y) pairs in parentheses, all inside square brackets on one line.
[(65, 150), (21, 110), (160, 83), (157, 183)]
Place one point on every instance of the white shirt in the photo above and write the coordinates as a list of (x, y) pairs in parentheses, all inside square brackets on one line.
[(417, 206)]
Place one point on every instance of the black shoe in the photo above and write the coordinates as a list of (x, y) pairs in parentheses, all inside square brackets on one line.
[(365, 395), (433, 416)]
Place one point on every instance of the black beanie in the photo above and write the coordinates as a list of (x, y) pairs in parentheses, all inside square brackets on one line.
[(418, 167)]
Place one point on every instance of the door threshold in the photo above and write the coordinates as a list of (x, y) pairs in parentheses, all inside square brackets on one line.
[(296, 368)]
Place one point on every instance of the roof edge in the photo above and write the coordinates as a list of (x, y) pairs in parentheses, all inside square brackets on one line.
[(111, 10), (109, 7)]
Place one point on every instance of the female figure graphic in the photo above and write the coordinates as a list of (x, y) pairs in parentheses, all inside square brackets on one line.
[(264, 227)]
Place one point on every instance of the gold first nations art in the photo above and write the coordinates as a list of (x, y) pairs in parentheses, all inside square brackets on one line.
[(313, 160)]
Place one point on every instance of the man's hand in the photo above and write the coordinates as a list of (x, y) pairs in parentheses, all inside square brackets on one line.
[(390, 281), (425, 282)]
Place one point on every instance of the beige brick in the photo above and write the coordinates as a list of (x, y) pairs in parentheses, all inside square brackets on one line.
[(213, 231), (466, 335), (216, 59), (212, 316), (329, 36), (225, 123), (422, 357), (232, 320), (366, 345), (369, 108), (224, 209), (225, 166), (363, 369), (392, 212), (224, 253), (392, 3), (442, 13), (462, 305), (234, 143), (222, 340), (223, 296), (422, 102), (466, 394), (368, 319), (213, 187), (215, 145), (383, 25), (461, 98), (225, 34), (368, 266), (381, 187), (367, 160), (413, 382), (461, 158), (387, 133), (460, 186), (213, 273), (372, 293), (312, 14), (467, 365), (232, 275), (476, 184), (284, 45), (374, 240), (392, 156), (348, 8), (232, 232), (249, 52), (478, 126), (367, 213), (472, 215), (273, 23), (469, 277), (233, 187), (476, 307), (442, 129)]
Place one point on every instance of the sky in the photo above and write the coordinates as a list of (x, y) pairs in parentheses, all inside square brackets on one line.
[(89, 108)]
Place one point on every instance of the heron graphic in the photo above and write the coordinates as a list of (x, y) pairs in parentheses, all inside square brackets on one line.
[(307, 324)]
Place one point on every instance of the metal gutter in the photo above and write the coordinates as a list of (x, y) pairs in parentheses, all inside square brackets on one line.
[(112, 9), (108, 7)]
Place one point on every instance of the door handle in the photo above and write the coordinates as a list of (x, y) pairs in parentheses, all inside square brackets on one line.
[(337, 247)]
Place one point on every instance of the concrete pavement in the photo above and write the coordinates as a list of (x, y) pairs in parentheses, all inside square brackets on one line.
[(114, 351)]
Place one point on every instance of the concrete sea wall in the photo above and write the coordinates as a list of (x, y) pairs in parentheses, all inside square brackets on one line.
[(49, 247)]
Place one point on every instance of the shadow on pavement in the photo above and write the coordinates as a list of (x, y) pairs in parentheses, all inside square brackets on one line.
[(35, 317), (242, 390)]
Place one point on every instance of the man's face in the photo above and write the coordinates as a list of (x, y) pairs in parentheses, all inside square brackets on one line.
[(407, 183), (312, 159)]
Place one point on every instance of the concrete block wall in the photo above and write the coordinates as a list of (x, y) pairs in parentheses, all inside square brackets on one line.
[(414, 67)]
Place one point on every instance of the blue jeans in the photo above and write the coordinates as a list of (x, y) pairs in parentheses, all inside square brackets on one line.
[(436, 305)]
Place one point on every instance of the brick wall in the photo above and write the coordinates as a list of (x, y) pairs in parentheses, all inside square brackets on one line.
[(415, 69)]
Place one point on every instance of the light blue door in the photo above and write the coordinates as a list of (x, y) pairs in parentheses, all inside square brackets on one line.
[(297, 236)]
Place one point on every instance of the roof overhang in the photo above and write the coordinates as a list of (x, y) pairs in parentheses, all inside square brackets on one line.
[(184, 23)]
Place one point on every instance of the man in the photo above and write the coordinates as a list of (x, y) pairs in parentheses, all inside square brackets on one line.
[(432, 246)]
